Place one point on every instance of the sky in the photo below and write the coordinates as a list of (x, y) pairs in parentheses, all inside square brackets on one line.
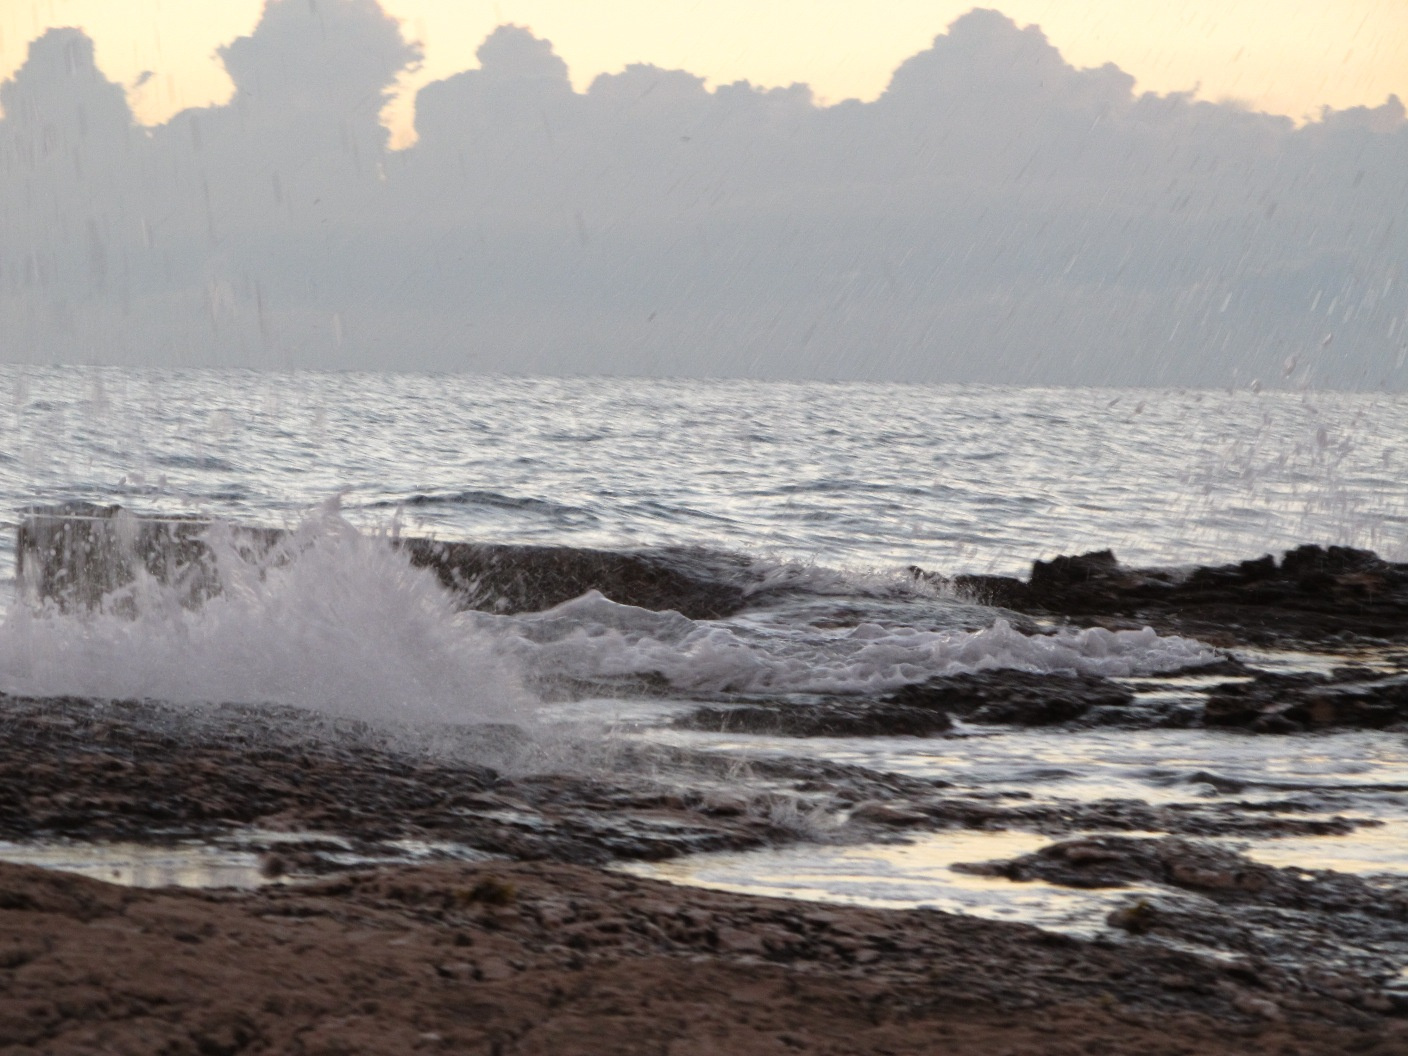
[(1057, 193), (1313, 53)]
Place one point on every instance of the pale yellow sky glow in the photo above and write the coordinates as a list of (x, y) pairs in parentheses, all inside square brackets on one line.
[(1306, 55)]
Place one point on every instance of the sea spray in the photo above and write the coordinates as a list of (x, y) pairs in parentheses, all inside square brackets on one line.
[(332, 619)]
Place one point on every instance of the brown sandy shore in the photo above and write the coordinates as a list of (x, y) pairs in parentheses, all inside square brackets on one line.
[(550, 958)]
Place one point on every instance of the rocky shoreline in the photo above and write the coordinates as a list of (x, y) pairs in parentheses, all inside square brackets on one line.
[(515, 936), (533, 936)]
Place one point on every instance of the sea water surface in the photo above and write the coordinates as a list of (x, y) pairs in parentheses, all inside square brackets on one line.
[(848, 476), (821, 495)]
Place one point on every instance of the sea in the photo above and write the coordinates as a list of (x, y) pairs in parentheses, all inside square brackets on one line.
[(821, 498)]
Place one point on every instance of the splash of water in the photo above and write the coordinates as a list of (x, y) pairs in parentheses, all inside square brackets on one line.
[(332, 619)]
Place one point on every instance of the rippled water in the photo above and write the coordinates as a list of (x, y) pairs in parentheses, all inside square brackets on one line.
[(850, 475)]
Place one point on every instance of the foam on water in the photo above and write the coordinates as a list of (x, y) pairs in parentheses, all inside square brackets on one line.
[(333, 620), (592, 637)]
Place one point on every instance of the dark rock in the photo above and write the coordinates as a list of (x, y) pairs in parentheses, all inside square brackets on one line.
[(1263, 567), (1212, 871), (1003, 697), (1289, 703), (510, 579), (77, 554), (1315, 596), (1018, 698), (1336, 560), (1137, 918), (1001, 591), (829, 718), (1062, 571)]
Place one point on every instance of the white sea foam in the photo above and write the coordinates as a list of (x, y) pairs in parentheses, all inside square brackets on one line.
[(592, 637), (334, 620)]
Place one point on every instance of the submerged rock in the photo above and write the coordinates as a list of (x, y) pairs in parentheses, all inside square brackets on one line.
[(1002, 697), (1211, 871), (1339, 932)]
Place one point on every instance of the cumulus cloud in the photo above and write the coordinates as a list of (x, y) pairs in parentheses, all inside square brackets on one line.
[(996, 215)]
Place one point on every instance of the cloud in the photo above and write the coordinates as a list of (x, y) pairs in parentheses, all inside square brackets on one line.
[(996, 215), (67, 162), (59, 98), (330, 58), (985, 64)]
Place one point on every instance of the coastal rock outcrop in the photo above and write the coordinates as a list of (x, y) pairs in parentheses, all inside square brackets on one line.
[(508, 578), (76, 554), (1315, 594)]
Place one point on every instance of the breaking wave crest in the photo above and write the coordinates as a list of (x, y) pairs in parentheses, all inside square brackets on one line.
[(330, 619)]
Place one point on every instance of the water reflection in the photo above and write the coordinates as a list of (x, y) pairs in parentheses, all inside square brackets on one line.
[(903, 876), (136, 865)]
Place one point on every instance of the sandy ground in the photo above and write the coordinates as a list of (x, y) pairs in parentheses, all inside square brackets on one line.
[(549, 958)]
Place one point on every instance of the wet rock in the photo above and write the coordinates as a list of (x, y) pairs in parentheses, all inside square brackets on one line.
[(511, 579), (998, 591), (149, 773), (1291, 703), (826, 718), (1334, 560), (77, 553), (890, 814), (1314, 595), (1003, 697), (1017, 698), (1218, 873), (1136, 918), (1346, 931), (1098, 565), (902, 803)]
